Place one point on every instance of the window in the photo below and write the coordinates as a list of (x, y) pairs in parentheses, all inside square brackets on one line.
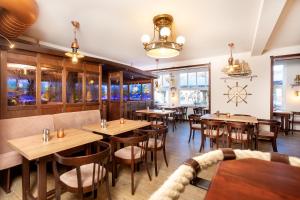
[(104, 91), (125, 92), (92, 88), (165, 80), (161, 97), (192, 79), (193, 97), (74, 87), (183, 79), (278, 87), (202, 78), (146, 91), (21, 84), (51, 85), (135, 91)]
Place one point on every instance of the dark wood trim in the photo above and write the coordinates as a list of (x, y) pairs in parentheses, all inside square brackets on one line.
[(36, 48), (209, 87), (180, 67), (286, 57)]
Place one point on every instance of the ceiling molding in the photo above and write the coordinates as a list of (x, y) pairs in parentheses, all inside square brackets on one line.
[(269, 13)]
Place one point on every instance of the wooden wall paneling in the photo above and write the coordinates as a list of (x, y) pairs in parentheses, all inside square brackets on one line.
[(3, 87), (100, 87), (121, 95), (64, 86), (84, 86), (38, 75)]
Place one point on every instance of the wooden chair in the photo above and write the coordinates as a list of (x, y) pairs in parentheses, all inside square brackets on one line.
[(184, 112), (270, 135), (294, 120), (179, 114), (157, 142), (134, 153), (157, 119), (86, 174), (212, 130), (243, 115), (238, 133), (194, 121), (172, 118), (139, 116), (198, 111)]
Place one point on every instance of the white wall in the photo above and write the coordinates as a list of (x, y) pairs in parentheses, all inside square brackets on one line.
[(258, 103)]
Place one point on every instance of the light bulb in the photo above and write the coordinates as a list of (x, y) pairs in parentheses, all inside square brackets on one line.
[(145, 39), (165, 32), (180, 40), (74, 59), (11, 45)]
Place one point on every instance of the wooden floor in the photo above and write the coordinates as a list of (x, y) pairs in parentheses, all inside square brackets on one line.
[(178, 150)]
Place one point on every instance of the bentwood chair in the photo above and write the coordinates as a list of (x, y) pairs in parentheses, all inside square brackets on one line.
[(238, 133), (294, 120), (157, 142), (269, 135), (198, 111), (180, 114), (172, 119), (139, 116), (157, 119), (134, 153), (87, 171), (184, 112), (211, 129), (194, 121)]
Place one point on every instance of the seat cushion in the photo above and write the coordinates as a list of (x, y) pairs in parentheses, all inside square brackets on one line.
[(197, 126), (125, 153), (151, 143), (10, 159), (212, 132), (70, 177), (266, 134), (240, 136)]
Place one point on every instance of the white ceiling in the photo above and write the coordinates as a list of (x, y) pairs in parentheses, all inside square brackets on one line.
[(112, 29)]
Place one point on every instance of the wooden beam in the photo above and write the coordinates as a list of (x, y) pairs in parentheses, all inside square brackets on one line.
[(269, 13)]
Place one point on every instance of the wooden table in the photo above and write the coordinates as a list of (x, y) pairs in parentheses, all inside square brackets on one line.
[(33, 148), (232, 118), (284, 119), (250, 179), (170, 107), (115, 128), (155, 111)]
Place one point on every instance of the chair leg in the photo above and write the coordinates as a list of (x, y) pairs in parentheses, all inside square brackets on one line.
[(114, 172), (6, 180), (146, 165), (151, 156), (190, 135), (165, 156), (274, 145), (132, 177), (107, 187), (202, 142), (155, 162), (193, 134)]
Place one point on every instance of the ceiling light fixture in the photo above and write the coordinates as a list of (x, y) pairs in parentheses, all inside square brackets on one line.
[(163, 44), (11, 45), (234, 67), (74, 54)]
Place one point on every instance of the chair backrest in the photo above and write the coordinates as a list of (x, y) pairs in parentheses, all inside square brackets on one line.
[(194, 119), (273, 124), (184, 109), (156, 118), (238, 128), (210, 126), (198, 110), (295, 115), (139, 116), (99, 159), (136, 140), (157, 132)]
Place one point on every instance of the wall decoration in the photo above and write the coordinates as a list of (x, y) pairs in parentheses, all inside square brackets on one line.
[(237, 94)]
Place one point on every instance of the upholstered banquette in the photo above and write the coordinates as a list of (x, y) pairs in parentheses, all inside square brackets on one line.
[(26, 126)]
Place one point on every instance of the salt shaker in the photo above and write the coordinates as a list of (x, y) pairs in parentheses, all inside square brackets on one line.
[(46, 133)]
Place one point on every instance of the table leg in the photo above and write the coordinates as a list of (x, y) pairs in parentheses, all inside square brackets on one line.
[(286, 124), (25, 178), (42, 178)]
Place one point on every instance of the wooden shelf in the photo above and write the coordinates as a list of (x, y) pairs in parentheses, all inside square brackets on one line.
[(250, 77), (295, 85)]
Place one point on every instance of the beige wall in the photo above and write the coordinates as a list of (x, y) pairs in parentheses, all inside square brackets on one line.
[(258, 103)]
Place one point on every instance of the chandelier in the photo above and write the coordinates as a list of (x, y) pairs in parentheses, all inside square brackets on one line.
[(162, 44), (74, 54), (235, 68)]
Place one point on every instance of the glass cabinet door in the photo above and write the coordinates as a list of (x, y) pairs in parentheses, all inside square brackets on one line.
[(74, 87), (51, 85), (21, 84), (92, 88)]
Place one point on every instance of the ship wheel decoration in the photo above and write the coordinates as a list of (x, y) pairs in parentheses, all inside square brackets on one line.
[(237, 94)]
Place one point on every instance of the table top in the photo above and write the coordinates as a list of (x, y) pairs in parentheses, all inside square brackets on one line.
[(114, 127), (281, 112), (156, 111), (32, 147), (250, 179), (232, 118), (170, 107)]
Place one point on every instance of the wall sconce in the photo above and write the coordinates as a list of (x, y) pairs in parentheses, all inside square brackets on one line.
[(173, 91), (297, 93)]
